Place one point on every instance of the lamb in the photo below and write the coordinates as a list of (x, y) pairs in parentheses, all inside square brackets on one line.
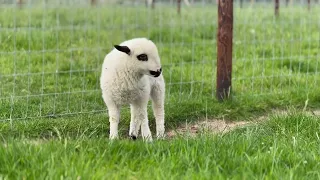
[(132, 74)]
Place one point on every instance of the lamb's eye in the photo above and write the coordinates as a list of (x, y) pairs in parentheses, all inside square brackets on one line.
[(142, 57)]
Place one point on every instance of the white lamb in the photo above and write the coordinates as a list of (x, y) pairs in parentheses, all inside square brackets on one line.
[(131, 74)]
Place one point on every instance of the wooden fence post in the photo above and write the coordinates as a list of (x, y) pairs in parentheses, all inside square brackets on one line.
[(178, 6), (309, 5), (19, 3), (276, 8), (252, 2), (224, 49), (153, 4)]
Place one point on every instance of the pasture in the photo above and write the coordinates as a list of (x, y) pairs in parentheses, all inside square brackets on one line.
[(53, 122)]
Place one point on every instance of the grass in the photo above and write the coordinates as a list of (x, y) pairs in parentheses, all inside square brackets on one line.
[(49, 89), (284, 146)]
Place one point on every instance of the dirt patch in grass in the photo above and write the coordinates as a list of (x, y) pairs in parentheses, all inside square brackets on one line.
[(316, 112), (215, 126), (210, 125)]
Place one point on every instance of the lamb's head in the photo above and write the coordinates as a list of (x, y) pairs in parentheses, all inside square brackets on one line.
[(142, 55)]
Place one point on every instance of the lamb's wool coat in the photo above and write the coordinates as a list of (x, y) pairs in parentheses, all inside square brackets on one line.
[(127, 80)]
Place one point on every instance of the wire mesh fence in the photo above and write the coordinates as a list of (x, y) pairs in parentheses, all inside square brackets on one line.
[(51, 51)]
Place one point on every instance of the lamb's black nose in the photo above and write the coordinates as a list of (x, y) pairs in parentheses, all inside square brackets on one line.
[(156, 73)]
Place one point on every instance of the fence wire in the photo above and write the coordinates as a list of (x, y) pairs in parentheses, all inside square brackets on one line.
[(51, 51)]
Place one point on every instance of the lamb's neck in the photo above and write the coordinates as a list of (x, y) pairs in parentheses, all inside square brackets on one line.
[(131, 75)]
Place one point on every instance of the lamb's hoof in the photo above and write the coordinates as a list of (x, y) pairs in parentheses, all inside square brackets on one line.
[(113, 137), (147, 139), (161, 137), (133, 137)]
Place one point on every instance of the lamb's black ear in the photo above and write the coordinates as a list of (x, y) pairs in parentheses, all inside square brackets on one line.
[(124, 49)]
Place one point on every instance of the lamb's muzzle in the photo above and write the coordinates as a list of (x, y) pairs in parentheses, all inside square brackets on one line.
[(156, 73)]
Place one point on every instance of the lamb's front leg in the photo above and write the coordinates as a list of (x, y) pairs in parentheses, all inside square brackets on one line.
[(158, 96), (139, 117), (134, 123), (114, 116)]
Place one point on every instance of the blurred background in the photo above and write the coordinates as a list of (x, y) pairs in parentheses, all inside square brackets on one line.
[(51, 52)]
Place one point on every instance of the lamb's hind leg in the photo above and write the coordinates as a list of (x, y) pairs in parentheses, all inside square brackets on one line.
[(139, 117), (157, 96)]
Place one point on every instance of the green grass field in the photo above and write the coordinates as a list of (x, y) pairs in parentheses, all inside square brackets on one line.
[(53, 120)]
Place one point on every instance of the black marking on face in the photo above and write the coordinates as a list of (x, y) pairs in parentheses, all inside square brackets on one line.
[(123, 49), (142, 57)]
